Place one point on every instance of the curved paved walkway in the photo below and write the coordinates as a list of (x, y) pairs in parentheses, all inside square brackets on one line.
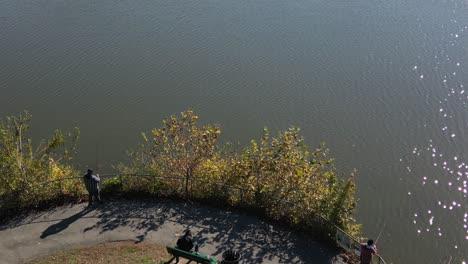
[(159, 222)]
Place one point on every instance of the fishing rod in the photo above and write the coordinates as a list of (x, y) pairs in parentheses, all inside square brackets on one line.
[(97, 156), (380, 233)]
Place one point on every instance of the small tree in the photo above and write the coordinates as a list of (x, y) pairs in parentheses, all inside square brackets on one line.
[(344, 204), (179, 146), (23, 166)]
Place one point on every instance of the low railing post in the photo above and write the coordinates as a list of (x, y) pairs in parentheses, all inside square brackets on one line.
[(60, 188), (241, 196)]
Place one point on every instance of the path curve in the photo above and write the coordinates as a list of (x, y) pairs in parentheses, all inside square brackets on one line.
[(159, 222)]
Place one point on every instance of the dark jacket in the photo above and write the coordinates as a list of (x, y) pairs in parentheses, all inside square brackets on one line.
[(91, 183), (185, 243)]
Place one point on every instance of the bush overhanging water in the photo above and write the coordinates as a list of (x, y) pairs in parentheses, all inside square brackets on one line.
[(278, 175)]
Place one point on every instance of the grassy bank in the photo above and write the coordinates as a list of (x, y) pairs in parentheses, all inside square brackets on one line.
[(115, 252)]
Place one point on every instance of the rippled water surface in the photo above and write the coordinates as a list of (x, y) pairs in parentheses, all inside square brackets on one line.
[(382, 82)]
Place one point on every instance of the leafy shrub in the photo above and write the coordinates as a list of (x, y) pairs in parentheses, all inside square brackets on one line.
[(278, 175), (31, 174)]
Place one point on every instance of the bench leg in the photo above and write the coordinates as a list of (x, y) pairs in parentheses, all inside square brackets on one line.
[(169, 261)]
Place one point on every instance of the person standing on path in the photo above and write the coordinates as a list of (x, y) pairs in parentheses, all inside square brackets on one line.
[(367, 251), (92, 186)]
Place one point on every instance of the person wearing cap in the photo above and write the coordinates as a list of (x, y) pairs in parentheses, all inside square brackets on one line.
[(92, 186), (367, 250)]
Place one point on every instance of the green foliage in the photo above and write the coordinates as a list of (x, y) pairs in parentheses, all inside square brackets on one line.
[(176, 149), (111, 184), (279, 175), (24, 166)]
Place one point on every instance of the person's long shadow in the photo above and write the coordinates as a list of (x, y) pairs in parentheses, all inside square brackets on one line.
[(62, 225)]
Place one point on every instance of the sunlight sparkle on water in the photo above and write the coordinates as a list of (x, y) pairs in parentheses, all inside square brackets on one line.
[(449, 173)]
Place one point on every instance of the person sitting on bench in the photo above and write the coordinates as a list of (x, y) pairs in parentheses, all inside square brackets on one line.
[(185, 242)]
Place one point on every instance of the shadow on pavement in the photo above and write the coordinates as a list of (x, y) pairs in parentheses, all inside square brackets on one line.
[(63, 224), (219, 229)]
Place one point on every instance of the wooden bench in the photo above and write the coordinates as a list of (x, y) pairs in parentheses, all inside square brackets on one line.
[(192, 256)]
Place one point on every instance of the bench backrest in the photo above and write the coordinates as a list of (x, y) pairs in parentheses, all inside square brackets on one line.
[(198, 257)]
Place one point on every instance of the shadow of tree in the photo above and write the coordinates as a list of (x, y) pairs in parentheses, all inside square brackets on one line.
[(215, 230)]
